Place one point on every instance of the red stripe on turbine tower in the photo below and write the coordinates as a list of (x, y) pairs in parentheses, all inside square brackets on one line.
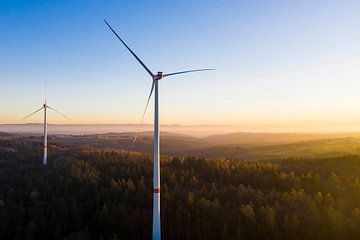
[(156, 190)]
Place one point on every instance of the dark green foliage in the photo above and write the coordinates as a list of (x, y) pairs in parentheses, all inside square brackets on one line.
[(98, 193)]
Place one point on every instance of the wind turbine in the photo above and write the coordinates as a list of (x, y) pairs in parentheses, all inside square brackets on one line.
[(156, 230), (45, 107)]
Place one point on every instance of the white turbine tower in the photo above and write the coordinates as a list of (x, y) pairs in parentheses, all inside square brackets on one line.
[(45, 107), (156, 230)]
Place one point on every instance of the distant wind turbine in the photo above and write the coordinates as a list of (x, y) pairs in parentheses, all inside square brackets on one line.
[(45, 107), (156, 230)]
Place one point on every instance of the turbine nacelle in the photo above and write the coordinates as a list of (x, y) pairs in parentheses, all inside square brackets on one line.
[(159, 76)]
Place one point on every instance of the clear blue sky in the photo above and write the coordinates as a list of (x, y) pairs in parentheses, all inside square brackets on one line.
[(279, 63)]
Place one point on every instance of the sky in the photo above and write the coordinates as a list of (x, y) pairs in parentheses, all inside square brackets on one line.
[(280, 65)]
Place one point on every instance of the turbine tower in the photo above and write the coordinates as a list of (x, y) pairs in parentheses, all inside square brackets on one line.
[(156, 228), (45, 107)]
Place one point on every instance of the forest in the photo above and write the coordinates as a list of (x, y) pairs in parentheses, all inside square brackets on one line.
[(89, 192)]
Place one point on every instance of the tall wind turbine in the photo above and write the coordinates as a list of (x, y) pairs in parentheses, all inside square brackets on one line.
[(45, 107), (156, 230)]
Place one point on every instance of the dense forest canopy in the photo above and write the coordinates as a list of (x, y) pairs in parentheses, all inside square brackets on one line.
[(89, 192)]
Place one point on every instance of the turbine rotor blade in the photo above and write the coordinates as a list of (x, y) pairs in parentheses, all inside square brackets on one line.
[(147, 103), (189, 71), (33, 113), (146, 107), (136, 135), (137, 58), (61, 114)]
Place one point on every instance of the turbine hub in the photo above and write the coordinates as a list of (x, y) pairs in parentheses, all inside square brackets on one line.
[(158, 76)]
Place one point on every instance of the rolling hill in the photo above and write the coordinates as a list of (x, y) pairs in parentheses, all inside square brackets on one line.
[(245, 146)]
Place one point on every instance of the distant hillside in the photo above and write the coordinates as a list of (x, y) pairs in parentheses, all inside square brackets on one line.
[(4, 134), (332, 147), (84, 129), (272, 138), (256, 146), (170, 143), (247, 146)]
